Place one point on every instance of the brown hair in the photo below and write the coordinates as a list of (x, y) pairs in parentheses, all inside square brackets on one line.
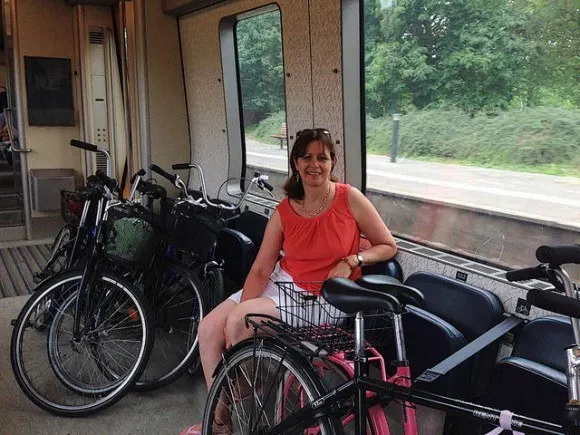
[(293, 186)]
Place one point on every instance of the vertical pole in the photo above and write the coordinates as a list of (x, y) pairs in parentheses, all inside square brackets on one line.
[(395, 146)]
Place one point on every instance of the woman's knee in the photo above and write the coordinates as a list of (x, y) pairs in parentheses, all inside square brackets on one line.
[(211, 327), (236, 328)]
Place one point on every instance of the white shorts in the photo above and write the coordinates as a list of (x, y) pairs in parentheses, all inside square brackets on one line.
[(297, 306)]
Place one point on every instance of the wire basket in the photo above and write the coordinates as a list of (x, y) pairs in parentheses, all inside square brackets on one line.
[(313, 327), (193, 229), (133, 234), (71, 206)]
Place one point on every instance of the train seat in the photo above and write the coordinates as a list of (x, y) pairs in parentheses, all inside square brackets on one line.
[(473, 311), (238, 246), (429, 339), (532, 380)]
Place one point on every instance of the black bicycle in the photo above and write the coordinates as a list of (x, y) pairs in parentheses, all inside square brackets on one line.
[(272, 384), (97, 340)]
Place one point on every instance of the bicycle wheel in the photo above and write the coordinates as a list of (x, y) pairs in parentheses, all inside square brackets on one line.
[(246, 388), (57, 261), (59, 252), (71, 377), (178, 305)]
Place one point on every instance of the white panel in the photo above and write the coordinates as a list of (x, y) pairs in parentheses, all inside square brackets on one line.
[(327, 73), (97, 58), (99, 105), (203, 81)]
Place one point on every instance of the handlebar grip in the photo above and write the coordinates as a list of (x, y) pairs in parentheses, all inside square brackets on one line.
[(525, 274), (556, 303), (83, 145), (266, 185), (107, 181), (558, 255), (181, 166), (167, 175), (139, 173)]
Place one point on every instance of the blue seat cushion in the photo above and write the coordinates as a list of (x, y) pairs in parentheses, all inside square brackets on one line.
[(544, 339), (390, 268), (528, 388), (473, 311), (237, 252), (253, 225), (428, 340)]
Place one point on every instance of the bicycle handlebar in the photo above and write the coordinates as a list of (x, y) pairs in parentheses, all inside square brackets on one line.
[(139, 173), (557, 303), (95, 149), (258, 179), (558, 255), (172, 178), (109, 182), (552, 258), (84, 145), (537, 272)]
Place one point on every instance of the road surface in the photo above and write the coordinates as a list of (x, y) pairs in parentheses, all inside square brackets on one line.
[(536, 196)]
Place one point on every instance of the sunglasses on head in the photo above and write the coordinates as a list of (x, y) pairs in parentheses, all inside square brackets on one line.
[(313, 132)]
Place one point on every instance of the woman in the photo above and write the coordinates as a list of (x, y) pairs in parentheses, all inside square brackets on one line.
[(318, 226)]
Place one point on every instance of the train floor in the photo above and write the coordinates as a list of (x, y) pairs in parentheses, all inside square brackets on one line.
[(165, 411)]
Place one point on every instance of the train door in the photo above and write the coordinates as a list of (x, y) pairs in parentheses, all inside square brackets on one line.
[(13, 215)]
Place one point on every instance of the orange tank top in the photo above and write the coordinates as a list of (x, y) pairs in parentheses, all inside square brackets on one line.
[(313, 246)]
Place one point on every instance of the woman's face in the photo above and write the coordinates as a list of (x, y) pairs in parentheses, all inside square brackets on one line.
[(315, 166)]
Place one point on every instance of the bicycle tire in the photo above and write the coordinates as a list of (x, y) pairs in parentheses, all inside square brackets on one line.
[(29, 353), (59, 251), (179, 305), (227, 387)]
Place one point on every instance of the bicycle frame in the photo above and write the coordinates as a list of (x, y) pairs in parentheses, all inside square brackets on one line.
[(386, 391), (91, 266)]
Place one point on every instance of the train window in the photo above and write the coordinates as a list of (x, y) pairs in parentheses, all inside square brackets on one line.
[(261, 83), (472, 124)]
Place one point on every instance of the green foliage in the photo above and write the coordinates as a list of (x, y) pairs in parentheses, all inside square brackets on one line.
[(261, 69), (472, 54), (541, 139), (262, 131)]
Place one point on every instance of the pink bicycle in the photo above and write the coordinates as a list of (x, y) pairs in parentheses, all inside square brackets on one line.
[(316, 371)]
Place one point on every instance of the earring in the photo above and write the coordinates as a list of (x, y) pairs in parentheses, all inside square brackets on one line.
[(297, 177)]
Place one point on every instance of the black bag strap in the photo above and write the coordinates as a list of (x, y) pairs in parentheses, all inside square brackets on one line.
[(470, 349)]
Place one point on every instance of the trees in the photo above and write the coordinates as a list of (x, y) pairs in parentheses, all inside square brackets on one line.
[(261, 69), (479, 55)]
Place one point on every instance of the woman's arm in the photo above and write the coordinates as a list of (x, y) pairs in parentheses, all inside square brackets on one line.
[(372, 226), (265, 260)]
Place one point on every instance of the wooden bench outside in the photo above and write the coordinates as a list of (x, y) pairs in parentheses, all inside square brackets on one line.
[(282, 136)]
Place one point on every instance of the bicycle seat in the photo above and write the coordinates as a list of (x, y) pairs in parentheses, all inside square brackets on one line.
[(387, 284), (349, 297)]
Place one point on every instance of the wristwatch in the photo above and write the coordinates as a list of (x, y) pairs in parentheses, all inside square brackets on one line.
[(360, 260)]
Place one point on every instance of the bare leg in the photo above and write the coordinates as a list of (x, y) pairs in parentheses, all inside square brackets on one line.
[(211, 338), (236, 323)]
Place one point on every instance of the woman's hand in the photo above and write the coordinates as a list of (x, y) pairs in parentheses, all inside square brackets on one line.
[(342, 269)]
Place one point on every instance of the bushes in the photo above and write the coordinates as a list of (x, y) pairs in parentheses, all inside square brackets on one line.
[(542, 139), (538, 139), (266, 127)]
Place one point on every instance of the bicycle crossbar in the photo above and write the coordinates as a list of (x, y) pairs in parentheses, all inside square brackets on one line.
[(469, 350), (327, 405), (455, 406)]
